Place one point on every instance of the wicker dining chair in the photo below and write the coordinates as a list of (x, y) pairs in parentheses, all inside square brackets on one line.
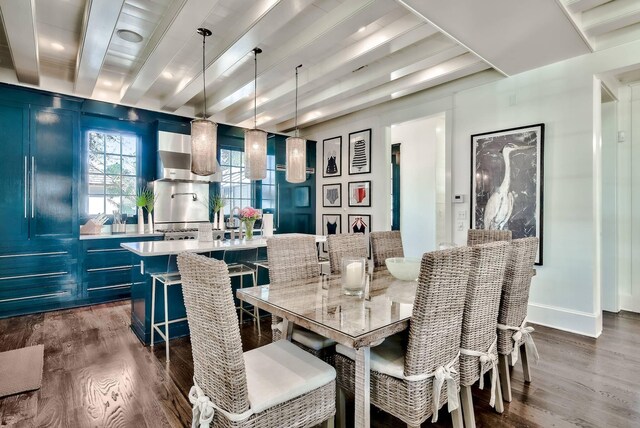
[(478, 345), (345, 245), (403, 378), (294, 258), (484, 236), (272, 386), (385, 245), (514, 336)]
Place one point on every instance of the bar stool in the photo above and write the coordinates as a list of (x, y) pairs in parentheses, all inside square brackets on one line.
[(167, 279), (239, 269)]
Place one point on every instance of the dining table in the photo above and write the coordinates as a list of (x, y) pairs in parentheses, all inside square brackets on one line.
[(359, 322)]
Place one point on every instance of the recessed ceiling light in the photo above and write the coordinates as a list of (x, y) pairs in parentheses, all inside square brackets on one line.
[(361, 29), (129, 36), (167, 75), (107, 83), (57, 46)]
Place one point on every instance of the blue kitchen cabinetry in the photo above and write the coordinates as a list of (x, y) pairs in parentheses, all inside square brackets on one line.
[(107, 269), (37, 276)]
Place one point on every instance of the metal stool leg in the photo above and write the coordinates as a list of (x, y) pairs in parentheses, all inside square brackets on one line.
[(166, 322), (153, 308), (241, 302), (256, 311)]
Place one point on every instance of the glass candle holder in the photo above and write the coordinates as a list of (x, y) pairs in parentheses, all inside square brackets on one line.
[(353, 275)]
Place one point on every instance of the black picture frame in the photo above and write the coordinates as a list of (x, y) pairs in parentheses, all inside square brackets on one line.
[(326, 218), (523, 188), (366, 220), (329, 146), (327, 198), (362, 158), (366, 200)]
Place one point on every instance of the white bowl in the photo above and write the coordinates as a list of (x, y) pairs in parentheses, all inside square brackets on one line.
[(404, 268)]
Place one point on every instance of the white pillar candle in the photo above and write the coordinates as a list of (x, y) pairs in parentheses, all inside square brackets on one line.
[(353, 275), (267, 225)]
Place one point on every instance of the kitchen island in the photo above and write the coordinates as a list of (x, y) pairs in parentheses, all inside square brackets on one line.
[(156, 257)]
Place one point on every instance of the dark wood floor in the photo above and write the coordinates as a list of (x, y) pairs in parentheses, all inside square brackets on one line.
[(97, 374)]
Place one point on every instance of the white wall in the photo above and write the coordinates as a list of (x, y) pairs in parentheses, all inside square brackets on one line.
[(630, 295), (566, 291), (422, 182), (609, 208)]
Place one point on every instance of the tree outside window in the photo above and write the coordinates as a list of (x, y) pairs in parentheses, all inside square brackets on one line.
[(112, 172)]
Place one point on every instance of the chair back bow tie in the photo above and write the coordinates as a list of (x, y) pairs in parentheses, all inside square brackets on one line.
[(203, 409), (522, 335), (440, 376), (488, 361)]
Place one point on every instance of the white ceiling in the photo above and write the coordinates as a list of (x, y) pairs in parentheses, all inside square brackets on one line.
[(355, 53)]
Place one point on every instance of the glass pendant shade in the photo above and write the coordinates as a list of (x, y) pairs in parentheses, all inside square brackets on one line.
[(296, 160), (204, 146), (255, 152)]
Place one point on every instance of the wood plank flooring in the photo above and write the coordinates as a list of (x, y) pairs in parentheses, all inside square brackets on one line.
[(97, 374)]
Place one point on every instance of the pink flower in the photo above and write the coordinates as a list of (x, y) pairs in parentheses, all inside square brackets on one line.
[(249, 213)]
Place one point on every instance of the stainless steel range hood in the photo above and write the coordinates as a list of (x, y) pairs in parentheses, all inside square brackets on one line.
[(174, 152)]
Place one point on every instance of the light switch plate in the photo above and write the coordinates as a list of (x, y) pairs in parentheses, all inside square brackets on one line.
[(460, 225), (462, 215)]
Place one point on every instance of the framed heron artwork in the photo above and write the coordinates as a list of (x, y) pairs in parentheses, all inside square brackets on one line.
[(360, 152), (332, 195), (507, 181), (332, 157)]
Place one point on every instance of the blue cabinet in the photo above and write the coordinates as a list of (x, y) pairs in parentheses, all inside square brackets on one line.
[(107, 269), (14, 170), (53, 155), (37, 276)]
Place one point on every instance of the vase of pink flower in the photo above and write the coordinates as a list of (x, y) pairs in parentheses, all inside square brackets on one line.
[(248, 217)]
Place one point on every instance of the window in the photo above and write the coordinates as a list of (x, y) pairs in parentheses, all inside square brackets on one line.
[(236, 188), (112, 172), (269, 184)]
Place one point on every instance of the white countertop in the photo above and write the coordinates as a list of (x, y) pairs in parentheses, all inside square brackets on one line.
[(165, 248), (120, 235)]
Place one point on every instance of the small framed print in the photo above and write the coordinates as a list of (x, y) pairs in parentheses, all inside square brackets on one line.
[(332, 157), (360, 193), (331, 225), (359, 223), (301, 197), (360, 152), (332, 195)]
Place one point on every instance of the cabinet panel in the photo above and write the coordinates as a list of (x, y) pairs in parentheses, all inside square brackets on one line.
[(14, 126), (54, 135)]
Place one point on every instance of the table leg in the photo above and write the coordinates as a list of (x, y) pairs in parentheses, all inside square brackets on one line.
[(287, 329), (362, 401)]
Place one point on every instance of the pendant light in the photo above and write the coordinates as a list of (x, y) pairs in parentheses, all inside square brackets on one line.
[(255, 140), (204, 133), (296, 151)]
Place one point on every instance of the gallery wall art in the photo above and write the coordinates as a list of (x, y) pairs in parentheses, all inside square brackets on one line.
[(360, 223), (507, 181), (359, 193), (331, 225), (332, 195), (332, 157), (360, 152)]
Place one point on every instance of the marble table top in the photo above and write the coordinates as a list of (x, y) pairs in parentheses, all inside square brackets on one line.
[(320, 305), (165, 248)]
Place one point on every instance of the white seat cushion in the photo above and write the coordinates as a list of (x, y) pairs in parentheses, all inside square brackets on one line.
[(310, 339), (386, 358), (280, 372)]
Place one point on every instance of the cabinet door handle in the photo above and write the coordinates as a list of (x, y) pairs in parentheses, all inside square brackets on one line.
[(33, 186), (278, 204), (25, 187)]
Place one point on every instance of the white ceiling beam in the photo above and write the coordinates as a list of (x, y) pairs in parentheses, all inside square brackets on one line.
[(100, 19), (610, 17), (253, 26), (392, 38), (423, 55), (456, 68), (579, 6), (19, 20), (235, 88), (190, 13)]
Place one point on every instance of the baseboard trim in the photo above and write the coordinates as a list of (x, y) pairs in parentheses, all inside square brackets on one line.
[(630, 303), (578, 322)]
